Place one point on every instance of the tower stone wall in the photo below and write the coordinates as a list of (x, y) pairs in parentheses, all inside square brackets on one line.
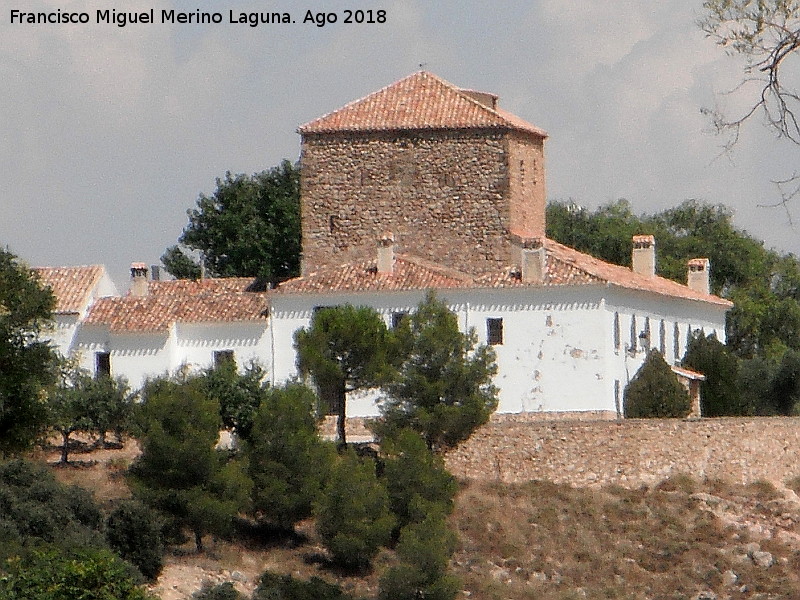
[(454, 196)]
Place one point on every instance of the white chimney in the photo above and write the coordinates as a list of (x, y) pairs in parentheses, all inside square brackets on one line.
[(138, 280), (534, 264), (386, 253), (644, 255), (697, 277)]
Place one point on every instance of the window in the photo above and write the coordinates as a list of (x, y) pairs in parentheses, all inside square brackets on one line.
[(102, 364), (494, 331), (662, 339), (676, 343), (645, 335), (634, 341), (617, 403), (617, 341), (398, 318), (224, 357)]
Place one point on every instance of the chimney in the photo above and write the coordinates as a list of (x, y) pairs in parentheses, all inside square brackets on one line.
[(644, 255), (534, 263), (138, 280), (386, 253), (697, 277)]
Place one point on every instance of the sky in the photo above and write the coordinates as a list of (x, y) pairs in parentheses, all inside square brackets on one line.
[(108, 134)]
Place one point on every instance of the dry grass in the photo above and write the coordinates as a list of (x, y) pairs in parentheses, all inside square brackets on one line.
[(540, 540), (546, 541)]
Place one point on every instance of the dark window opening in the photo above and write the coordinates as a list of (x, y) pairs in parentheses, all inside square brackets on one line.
[(224, 357), (494, 331), (398, 318), (102, 364), (617, 336)]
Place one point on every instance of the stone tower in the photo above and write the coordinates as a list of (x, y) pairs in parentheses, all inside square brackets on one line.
[(456, 179)]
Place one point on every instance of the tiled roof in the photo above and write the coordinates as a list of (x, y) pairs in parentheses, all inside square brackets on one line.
[(409, 273), (565, 266), (184, 301), (419, 101), (72, 286), (688, 373)]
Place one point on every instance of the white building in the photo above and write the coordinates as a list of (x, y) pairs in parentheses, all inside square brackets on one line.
[(161, 327), (567, 340), (75, 289), (452, 173)]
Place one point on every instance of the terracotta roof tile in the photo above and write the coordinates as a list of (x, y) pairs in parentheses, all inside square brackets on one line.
[(409, 273), (184, 301), (565, 266), (419, 101), (72, 286), (688, 373)]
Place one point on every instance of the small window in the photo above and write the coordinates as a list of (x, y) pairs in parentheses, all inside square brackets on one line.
[(224, 357), (102, 364), (617, 341), (676, 343), (634, 341), (645, 335), (398, 318), (662, 339), (494, 331), (617, 403)]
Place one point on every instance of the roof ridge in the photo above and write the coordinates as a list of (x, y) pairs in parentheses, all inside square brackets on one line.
[(362, 98)]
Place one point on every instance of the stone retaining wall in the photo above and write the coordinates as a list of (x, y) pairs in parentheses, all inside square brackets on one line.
[(630, 452)]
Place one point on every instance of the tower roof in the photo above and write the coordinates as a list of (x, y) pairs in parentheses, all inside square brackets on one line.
[(420, 101)]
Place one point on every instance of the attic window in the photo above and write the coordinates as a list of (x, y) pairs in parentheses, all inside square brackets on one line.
[(494, 331)]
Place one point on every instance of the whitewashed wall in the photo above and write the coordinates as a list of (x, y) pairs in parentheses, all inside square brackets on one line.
[(558, 351), (140, 356)]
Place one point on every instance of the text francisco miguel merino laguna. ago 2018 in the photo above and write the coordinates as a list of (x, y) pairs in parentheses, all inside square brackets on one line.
[(197, 17)]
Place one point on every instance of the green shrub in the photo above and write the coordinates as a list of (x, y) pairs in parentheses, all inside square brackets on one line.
[(36, 510), (424, 550), (352, 516), (134, 532), (287, 460), (222, 591), (285, 587), (655, 392), (87, 575), (412, 474)]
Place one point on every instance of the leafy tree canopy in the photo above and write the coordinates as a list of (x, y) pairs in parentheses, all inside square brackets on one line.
[(27, 364), (720, 394), (764, 286), (179, 472), (249, 227), (444, 387), (655, 392), (36, 511), (90, 575), (352, 515), (287, 460), (238, 394), (346, 348)]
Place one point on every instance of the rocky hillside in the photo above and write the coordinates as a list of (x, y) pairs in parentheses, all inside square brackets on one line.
[(680, 539)]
